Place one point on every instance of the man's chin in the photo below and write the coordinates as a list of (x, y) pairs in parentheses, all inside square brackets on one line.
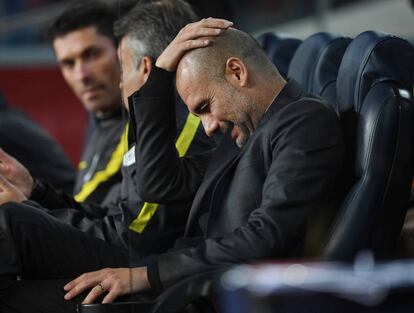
[(241, 139), (95, 105)]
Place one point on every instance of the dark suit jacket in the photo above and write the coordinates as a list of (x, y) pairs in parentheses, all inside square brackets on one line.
[(249, 204)]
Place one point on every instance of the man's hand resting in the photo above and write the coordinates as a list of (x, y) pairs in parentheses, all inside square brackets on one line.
[(8, 192), (109, 282)]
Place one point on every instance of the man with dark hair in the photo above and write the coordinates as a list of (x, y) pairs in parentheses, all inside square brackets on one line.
[(85, 48), (108, 233), (253, 200), (81, 14)]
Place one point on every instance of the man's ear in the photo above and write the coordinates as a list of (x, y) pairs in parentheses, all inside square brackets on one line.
[(236, 72), (145, 67)]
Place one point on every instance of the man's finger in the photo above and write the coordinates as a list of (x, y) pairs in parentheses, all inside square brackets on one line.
[(80, 284), (3, 167), (95, 292), (72, 284), (5, 184), (110, 297), (79, 279), (203, 32), (4, 157), (216, 22), (194, 44)]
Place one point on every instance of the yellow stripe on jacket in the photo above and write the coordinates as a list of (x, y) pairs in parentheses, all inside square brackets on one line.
[(111, 169), (182, 144)]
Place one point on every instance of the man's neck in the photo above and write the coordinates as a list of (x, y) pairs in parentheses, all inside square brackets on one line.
[(103, 115), (270, 89)]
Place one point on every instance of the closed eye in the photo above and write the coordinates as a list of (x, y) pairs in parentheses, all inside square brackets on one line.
[(201, 108)]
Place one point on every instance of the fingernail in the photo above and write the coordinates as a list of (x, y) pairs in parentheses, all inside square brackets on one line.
[(66, 287), (67, 296)]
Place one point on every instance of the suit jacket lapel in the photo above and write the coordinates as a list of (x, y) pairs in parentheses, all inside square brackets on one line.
[(226, 153)]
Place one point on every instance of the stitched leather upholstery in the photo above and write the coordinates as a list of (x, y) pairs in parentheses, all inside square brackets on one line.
[(280, 49), (315, 63)]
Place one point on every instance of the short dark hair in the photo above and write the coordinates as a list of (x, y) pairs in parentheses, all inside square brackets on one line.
[(81, 14), (151, 25)]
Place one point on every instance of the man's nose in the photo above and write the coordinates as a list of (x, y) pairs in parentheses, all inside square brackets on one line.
[(210, 125), (83, 72)]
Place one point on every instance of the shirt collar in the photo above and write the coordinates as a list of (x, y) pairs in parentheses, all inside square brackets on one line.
[(289, 93)]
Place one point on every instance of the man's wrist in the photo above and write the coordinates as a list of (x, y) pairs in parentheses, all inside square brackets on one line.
[(140, 280), (159, 83), (153, 276)]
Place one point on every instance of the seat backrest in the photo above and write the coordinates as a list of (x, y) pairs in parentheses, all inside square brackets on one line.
[(280, 49), (374, 100), (316, 62)]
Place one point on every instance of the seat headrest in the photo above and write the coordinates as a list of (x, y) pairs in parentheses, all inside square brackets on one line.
[(327, 67), (280, 49), (316, 61), (370, 58)]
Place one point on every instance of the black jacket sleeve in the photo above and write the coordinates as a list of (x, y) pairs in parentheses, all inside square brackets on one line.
[(52, 199), (99, 221), (162, 175)]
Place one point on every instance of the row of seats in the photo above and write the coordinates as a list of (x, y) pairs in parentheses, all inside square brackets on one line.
[(368, 80)]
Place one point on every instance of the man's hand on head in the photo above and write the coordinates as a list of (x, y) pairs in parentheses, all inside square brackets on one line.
[(190, 37), (13, 171), (9, 192)]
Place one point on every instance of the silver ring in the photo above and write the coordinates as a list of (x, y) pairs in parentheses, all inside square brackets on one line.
[(102, 288)]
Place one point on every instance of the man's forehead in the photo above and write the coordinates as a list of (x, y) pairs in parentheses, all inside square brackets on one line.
[(81, 39), (189, 73)]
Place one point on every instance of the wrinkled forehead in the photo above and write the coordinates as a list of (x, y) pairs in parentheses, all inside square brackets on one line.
[(191, 85)]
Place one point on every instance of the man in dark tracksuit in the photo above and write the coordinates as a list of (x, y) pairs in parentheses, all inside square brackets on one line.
[(85, 48), (31, 145), (100, 167), (56, 237)]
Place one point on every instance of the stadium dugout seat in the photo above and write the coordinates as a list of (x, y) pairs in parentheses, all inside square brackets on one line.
[(315, 63), (374, 100), (375, 104), (280, 49)]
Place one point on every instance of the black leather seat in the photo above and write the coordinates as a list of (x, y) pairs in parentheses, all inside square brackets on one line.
[(374, 101), (280, 49), (315, 63)]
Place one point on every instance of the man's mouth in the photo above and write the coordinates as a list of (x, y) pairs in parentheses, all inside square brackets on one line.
[(92, 91)]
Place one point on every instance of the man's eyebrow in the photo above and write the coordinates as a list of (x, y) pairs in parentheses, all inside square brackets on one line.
[(85, 51), (90, 49)]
